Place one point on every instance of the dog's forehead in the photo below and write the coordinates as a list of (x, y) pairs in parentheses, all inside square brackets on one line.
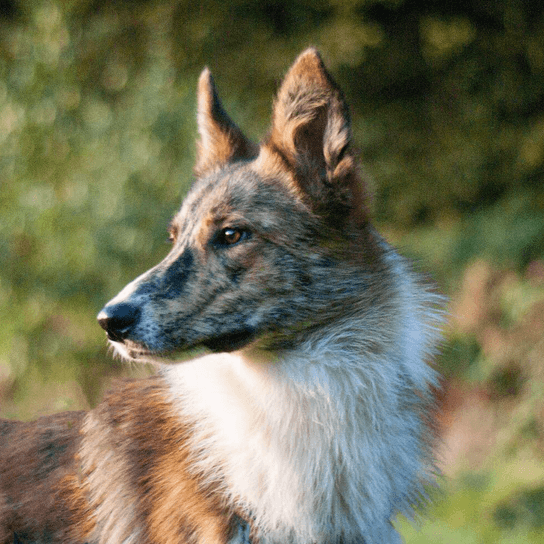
[(237, 189), (227, 186)]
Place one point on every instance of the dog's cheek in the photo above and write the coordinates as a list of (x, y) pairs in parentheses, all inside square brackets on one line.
[(271, 291)]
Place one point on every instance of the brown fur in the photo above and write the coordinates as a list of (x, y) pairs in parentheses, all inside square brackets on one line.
[(130, 447), (38, 459)]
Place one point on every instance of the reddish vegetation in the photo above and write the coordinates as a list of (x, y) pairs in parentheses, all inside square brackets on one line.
[(492, 406)]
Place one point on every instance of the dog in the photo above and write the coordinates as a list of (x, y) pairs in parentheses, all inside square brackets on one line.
[(309, 417)]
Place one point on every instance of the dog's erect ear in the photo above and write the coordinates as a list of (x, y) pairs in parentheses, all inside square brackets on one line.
[(311, 125), (221, 141)]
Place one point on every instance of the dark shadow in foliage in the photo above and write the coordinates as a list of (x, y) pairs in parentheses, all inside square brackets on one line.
[(524, 508), (9, 10)]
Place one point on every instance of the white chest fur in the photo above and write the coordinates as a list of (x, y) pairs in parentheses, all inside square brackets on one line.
[(316, 448)]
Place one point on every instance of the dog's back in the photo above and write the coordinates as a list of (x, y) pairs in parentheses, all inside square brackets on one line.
[(309, 421), (35, 458)]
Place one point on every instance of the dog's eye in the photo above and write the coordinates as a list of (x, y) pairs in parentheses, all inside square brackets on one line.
[(231, 236)]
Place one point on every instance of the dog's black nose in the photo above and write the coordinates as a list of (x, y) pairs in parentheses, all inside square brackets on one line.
[(118, 320)]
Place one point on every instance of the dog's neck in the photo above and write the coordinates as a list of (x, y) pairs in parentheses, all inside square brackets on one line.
[(319, 444)]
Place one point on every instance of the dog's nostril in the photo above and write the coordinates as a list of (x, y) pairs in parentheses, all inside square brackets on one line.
[(118, 319)]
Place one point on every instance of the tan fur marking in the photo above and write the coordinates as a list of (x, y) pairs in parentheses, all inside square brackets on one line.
[(73, 496), (203, 233), (180, 503), (178, 499), (221, 140)]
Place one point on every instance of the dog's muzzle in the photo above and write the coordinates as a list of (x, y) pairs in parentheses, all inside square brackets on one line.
[(118, 320)]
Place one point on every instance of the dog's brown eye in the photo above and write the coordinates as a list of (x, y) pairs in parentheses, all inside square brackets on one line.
[(231, 236)]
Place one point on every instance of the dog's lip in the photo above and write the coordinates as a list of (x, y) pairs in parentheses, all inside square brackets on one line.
[(112, 337), (231, 341), (221, 344), (133, 349)]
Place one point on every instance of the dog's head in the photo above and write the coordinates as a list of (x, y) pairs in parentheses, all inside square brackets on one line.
[(271, 241)]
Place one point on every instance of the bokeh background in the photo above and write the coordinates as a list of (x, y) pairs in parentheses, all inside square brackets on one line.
[(97, 128)]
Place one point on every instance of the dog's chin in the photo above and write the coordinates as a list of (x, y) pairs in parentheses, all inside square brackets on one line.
[(135, 352), (230, 342)]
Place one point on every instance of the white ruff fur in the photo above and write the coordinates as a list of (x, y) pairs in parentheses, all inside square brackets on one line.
[(324, 443)]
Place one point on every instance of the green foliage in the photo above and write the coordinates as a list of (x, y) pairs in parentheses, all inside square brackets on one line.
[(484, 508), (525, 508)]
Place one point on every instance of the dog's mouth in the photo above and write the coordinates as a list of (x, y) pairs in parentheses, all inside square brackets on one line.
[(231, 341), (224, 343)]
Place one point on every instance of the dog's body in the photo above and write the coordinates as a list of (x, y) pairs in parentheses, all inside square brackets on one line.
[(309, 422)]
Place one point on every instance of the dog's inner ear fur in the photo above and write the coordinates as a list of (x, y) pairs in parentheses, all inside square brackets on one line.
[(311, 126), (221, 141)]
